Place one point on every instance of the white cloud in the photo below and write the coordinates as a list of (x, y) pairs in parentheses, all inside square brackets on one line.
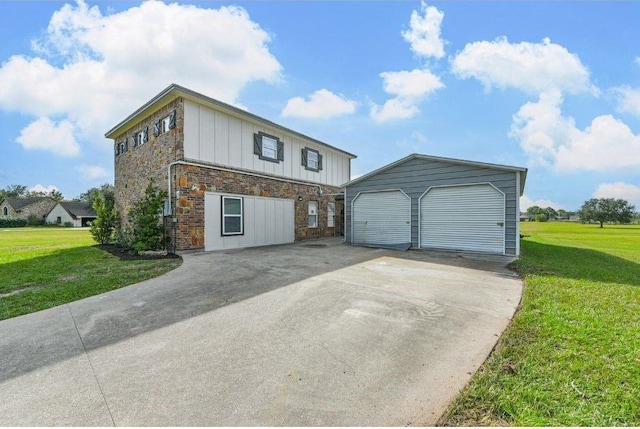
[(409, 89), (628, 99), (44, 134), (621, 190), (98, 68), (424, 32), (321, 104), (91, 172), (44, 189), (526, 202), (530, 67), (549, 138)]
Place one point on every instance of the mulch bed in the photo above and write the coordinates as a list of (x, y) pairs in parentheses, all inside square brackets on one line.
[(131, 255)]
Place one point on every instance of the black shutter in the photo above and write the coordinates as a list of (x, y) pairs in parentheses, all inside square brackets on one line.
[(257, 144), (172, 119), (304, 157), (280, 150), (319, 162), (156, 128), (145, 135)]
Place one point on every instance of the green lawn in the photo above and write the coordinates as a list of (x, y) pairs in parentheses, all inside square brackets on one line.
[(44, 267), (571, 356)]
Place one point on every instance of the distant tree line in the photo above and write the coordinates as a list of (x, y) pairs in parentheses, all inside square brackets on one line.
[(23, 192), (599, 210)]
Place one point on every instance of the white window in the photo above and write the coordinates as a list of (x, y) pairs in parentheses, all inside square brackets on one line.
[(166, 124), (311, 159), (232, 216), (331, 213), (269, 147), (313, 214)]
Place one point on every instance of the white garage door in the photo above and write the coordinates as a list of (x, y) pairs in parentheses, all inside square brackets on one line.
[(260, 221), (382, 219), (467, 217)]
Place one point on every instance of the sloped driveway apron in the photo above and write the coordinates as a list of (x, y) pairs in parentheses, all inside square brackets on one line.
[(314, 333)]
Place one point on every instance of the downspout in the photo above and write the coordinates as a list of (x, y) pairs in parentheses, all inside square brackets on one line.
[(213, 167)]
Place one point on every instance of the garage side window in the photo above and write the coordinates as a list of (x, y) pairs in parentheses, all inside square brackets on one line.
[(313, 214), (232, 216)]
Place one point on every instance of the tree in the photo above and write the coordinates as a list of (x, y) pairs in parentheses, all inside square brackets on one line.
[(563, 214), (53, 194), (13, 191), (145, 219), (107, 191), (106, 222), (606, 210), (550, 212), (534, 211)]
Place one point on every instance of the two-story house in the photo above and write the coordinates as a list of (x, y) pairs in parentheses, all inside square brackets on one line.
[(234, 179)]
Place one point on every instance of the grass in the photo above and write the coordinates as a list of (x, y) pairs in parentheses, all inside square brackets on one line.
[(45, 267), (571, 356)]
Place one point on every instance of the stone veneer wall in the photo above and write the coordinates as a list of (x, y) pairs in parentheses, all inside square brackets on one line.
[(40, 209), (134, 168), (194, 181), (10, 210)]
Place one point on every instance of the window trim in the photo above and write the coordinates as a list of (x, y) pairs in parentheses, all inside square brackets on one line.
[(223, 216), (316, 215), (305, 159), (258, 147)]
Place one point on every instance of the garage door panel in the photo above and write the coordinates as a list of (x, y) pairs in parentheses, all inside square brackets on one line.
[(469, 217), (382, 218)]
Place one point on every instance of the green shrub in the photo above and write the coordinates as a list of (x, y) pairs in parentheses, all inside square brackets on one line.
[(68, 224), (35, 220), (106, 222), (542, 217), (12, 222), (145, 218)]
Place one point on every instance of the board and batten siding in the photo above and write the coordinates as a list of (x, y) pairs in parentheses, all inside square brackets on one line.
[(416, 175), (218, 138)]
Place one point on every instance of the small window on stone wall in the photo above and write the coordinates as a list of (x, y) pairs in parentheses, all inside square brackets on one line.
[(313, 214), (165, 124)]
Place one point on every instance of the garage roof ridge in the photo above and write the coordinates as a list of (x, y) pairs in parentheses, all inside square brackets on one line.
[(521, 170)]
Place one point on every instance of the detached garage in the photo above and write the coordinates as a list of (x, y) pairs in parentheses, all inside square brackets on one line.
[(430, 202)]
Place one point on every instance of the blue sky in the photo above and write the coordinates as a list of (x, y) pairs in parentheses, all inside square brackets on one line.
[(551, 86)]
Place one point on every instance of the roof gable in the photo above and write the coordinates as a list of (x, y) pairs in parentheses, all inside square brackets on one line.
[(78, 208), (521, 170), (18, 203)]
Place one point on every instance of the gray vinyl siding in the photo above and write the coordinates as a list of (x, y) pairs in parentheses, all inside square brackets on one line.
[(416, 175)]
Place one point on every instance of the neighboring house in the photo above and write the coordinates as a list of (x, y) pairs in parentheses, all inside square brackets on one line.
[(234, 179), (25, 207), (524, 217), (430, 202), (78, 213)]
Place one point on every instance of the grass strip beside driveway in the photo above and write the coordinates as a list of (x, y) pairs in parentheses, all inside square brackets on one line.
[(571, 357), (45, 267)]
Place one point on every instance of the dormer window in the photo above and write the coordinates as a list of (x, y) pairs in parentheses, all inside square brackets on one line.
[(268, 148)]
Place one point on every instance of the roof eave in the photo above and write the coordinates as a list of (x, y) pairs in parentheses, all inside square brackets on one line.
[(175, 91)]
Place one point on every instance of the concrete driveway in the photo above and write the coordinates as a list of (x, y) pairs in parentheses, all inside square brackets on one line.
[(314, 333)]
